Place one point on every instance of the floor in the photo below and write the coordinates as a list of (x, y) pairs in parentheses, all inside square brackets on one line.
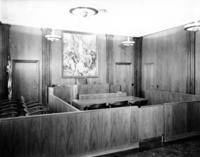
[(186, 148)]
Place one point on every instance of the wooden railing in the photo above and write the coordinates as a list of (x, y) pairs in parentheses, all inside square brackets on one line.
[(95, 132), (159, 97), (70, 134), (57, 104)]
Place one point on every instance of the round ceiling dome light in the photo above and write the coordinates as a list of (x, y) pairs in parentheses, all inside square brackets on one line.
[(84, 11), (192, 27)]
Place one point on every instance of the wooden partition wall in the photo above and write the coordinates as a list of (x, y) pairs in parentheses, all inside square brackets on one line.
[(181, 120), (57, 104), (159, 97), (90, 133), (70, 134)]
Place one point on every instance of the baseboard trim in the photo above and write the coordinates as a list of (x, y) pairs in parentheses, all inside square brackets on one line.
[(181, 136), (115, 150)]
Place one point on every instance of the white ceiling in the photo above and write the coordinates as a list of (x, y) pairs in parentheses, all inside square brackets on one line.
[(123, 17)]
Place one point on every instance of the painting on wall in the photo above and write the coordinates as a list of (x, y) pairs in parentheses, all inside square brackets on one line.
[(80, 57)]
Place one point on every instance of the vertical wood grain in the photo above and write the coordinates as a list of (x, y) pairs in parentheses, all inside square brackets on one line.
[(26, 80), (134, 125), (120, 126), (4, 52), (175, 119), (151, 122), (46, 67), (100, 126), (168, 50), (69, 134), (191, 63), (123, 76), (26, 44), (197, 63), (193, 115), (109, 58), (138, 67)]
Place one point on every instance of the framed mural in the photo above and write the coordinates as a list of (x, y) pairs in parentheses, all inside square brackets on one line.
[(80, 57)]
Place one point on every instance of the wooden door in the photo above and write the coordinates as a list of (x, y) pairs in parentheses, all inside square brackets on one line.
[(149, 76), (124, 77), (26, 79)]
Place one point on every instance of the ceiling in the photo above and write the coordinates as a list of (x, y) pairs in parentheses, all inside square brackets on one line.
[(123, 17)]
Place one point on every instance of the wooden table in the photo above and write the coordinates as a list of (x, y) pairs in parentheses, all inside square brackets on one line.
[(85, 103)]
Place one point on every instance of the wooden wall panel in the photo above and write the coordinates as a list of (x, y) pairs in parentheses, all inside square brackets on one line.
[(26, 79), (120, 126), (134, 123), (168, 51), (100, 125), (57, 105), (138, 67), (46, 66), (151, 121), (193, 114), (26, 44), (4, 52), (158, 97), (197, 63), (175, 120), (63, 92), (123, 77), (121, 64)]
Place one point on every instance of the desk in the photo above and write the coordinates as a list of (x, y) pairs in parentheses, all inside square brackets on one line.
[(84, 103)]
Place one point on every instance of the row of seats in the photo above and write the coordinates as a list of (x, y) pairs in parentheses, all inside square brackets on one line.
[(8, 108), (14, 108)]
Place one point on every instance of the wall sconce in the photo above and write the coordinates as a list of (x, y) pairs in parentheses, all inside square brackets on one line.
[(53, 35), (128, 42), (192, 27)]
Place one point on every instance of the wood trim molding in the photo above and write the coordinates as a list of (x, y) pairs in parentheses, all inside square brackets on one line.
[(4, 53), (191, 63), (138, 66), (46, 67)]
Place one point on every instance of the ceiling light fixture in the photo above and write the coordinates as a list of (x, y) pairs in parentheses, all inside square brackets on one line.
[(192, 27), (128, 42), (84, 11), (53, 35)]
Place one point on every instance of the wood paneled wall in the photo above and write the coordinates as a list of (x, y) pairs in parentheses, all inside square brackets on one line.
[(168, 61), (181, 120), (158, 97), (26, 44), (57, 104), (197, 63), (116, 64), (4, 52), (151, 121)]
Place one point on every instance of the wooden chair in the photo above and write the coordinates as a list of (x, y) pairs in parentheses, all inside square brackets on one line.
[(8, 108), (33, 108)]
